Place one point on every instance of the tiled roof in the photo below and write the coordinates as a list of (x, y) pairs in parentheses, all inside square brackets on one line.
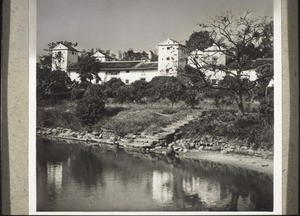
[(253, 64), (67, 47), (262, 61), (148, 65), (128, 65), (164, 43), (119, 65), (104, 54)]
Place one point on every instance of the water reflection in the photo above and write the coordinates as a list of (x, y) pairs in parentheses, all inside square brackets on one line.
[(81, 178), (87, 169), (54, 177), (162, 184)]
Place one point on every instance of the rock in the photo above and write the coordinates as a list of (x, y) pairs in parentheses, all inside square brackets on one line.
[(95, 133), (164, 153), (216, 148), (158, 147), (171, 144), (250, 152), (244, 148), (224, 151), (201, 147), (128, 136), (184, 150), (264, 165)]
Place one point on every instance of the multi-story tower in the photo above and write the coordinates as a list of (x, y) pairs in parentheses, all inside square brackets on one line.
[(171, 56), (63, 57)]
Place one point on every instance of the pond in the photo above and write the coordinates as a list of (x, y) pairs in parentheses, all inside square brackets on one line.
[(75, 177)]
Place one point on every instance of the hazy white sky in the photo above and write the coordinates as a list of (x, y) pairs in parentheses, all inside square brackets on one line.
[(137, 24)]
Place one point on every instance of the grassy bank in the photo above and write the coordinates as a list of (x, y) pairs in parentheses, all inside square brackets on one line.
[(122, 119)]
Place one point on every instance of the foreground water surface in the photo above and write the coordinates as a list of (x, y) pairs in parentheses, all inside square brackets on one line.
[(74, 177)]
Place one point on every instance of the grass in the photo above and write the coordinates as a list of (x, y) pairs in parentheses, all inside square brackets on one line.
[(122, 119)]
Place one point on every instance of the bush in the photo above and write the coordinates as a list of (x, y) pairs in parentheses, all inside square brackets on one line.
[(112, 86), (91, 107), (165, 87), (124, 94), (139, 90), (77, 93), (57, 117), (191, 97), (53, 84), (255, 128)]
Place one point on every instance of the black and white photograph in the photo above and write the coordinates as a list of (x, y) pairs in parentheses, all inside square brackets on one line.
[(156, 106)]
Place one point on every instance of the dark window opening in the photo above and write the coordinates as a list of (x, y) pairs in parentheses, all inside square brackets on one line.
[(127, 81)]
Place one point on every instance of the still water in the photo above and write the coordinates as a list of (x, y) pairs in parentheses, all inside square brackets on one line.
[(74, 177)]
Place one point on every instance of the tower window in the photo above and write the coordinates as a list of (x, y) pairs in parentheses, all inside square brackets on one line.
[(168, 58), (127, 71), (127, 81), (168, 48)]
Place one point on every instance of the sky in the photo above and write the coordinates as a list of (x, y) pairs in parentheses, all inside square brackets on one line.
[(136, 24)]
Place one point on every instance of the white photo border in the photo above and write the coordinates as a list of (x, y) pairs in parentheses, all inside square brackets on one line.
[(277, 170)]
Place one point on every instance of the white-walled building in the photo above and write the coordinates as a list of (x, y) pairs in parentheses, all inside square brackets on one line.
[(102, 57), (128, 71), (63, 57), (171, 56), (211, 55)]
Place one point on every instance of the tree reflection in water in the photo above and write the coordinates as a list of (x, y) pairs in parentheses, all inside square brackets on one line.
[(87, 169)]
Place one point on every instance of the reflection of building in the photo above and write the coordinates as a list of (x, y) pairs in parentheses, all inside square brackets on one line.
[(54, 176), (208, 192), (162, 187)]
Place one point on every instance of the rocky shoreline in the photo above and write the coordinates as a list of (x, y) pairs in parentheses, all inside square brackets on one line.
[(207, 148)]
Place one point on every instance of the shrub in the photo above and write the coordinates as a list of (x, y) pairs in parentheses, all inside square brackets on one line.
[(91, 107), (77, 93), (57, 117), (165, 87), (191, 97), (124, 94), (139, 90), (53, 84), (111, 87)]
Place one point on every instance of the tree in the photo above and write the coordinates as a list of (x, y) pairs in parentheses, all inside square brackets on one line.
[(52, 84), (88, 68), (130, 55), (241, 39), (91, 107), (166, 87), (111, 87), (66, 43), (124, 94), (139, 90), (199, 41)]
